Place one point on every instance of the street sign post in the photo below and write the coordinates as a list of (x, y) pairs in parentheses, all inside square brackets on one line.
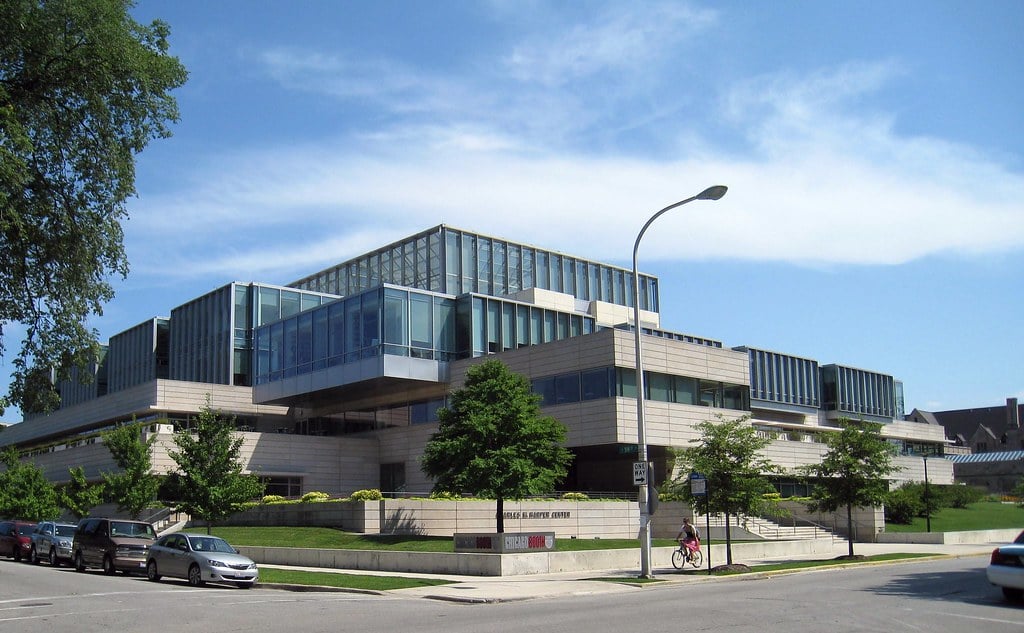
[(639, 473)]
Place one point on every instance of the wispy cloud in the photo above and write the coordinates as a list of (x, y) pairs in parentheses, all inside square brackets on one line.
[(622, 38)]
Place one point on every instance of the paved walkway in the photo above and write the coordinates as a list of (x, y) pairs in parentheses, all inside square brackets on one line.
[(480, 589)]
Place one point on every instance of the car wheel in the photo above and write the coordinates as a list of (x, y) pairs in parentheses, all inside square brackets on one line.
[(17, 554), (53, 557), (195, 577), (32, 556), (108, 565), (1012, 594), (151, 571), (79, 562)]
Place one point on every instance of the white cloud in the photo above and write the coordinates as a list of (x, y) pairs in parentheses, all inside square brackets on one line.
[(624, 37)]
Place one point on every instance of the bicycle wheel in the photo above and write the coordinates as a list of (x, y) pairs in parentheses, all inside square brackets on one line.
[(696, 558), (678, 559)]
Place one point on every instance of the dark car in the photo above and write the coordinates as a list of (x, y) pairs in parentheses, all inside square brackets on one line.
[(200, 558), (16, 539), (113, 544), (52, 541)]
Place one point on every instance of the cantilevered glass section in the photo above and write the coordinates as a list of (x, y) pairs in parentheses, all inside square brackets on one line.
[(383, 321), (452, 261)]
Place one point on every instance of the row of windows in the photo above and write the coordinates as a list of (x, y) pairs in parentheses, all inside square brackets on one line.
[(782, 378), (456, 262), (859, 392), (607, 382), (490, 325)]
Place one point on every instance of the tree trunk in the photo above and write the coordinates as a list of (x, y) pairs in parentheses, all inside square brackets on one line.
[(849, 526), (728, 540), (501, 515)]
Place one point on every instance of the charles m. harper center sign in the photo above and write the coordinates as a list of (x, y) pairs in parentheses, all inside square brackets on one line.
[(506, 542)]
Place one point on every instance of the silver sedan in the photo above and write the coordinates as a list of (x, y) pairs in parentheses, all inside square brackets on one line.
[(199, 559)]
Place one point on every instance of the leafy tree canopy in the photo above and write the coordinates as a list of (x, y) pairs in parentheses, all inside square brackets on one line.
[(24, 491), (853, 471), (134, 488), (493, 442), (83, 89), (78, 496), (729, 455), (210, 484)]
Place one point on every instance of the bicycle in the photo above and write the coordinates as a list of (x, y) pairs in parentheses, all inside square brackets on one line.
[(684, 555)]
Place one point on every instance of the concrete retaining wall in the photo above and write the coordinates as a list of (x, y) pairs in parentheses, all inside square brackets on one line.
[(471, 564), (949, 538)]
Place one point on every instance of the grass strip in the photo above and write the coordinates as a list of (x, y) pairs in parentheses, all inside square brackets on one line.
[(346, 581), (984, 515)]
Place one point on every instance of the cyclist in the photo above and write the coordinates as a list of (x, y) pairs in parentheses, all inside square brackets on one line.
[(689, 537)]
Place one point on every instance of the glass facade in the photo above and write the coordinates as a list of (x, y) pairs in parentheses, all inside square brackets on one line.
[(858, 392), (782, 378), (456, 262), (386, 320), (486, 325)]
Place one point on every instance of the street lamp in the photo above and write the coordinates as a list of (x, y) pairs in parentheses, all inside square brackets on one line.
[(711, 193)]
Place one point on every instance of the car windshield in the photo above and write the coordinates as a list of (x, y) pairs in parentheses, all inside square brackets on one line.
[(127, 528), (26, 530), (65, 530), (1019, 540), (210, 544)]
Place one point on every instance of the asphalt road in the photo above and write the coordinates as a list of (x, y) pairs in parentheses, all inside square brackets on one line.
[(947, 596)]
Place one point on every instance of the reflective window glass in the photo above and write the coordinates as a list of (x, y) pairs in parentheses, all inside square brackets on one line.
[(420, 320), (396, 328), (567, 388)]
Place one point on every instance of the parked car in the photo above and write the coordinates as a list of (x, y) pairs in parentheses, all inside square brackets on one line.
[(1006, 568), (113, 544), (15, 539), (52, 541), (200, 558)]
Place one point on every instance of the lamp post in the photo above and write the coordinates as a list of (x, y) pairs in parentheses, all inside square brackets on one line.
[(711, 193), (927, 496)]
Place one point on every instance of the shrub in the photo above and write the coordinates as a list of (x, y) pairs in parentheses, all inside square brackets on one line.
[(902, 505), (959, 496), (273, 499), (445, 496), (315, 497), (366, 495), (575, 496)]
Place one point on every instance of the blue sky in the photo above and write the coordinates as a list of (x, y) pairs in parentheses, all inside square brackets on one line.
[(874, 154)]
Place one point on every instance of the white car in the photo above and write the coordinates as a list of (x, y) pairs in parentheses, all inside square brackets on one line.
[(1006, 568), (199, 559)]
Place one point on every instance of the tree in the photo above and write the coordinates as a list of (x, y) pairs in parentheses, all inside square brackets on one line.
[(493, 442), (728, 455), (25, 492), (210, 484), (852, 471), (83, 89), (78, 496), (134, 488)]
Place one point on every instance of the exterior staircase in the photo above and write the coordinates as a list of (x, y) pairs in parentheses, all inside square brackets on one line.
[(767, 529)]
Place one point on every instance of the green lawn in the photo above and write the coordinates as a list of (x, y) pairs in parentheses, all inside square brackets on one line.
[(984, 515), (329, 538), (347, 581)]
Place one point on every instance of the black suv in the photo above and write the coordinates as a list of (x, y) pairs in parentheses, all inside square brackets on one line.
[(113, 544)]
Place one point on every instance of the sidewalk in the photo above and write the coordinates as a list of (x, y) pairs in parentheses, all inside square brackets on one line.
[(481, 589)]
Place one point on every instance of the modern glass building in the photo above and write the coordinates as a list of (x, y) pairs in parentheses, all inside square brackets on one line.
[(335, 380)]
